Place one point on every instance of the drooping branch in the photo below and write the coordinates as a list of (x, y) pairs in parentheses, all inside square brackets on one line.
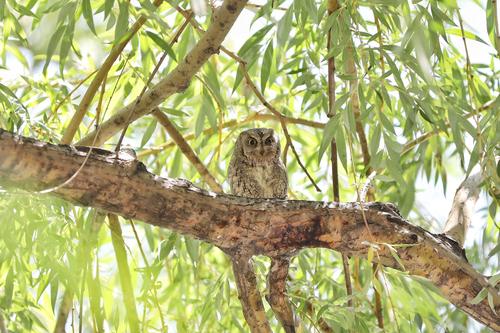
[(177, 80), (187, 150), (462, 209), (246, 226)]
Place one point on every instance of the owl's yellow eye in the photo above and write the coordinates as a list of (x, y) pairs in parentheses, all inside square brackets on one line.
[(269, 141), (252, 142)]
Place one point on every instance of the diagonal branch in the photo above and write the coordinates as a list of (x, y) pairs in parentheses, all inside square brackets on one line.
[(247, 226), (100, 76), (178, 80), (187, 150)]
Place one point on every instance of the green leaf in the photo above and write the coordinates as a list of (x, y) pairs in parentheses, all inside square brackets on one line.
[(495, 279), (7, 91), (332, 126), (193, 249), (479, 297), (212, 80), (88, 15), (108, 5), (54, 288), (376, 3), (2, 10), (66, 42), (466, 34), (374, 141), (175, 169), (8, 289), (209, 109), (18, 54), (121, 27), (284, 27), (250, 46), (341, 146), (491, 302), (310, 8), (53, 43), (166, 246), (238, 79), (267, 64), (161, 43), (149, 132)]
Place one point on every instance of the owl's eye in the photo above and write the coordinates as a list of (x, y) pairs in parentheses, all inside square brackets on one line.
[(269, 141), (252, 142)]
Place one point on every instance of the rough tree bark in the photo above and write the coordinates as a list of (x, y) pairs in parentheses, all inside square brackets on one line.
[(243, 226)]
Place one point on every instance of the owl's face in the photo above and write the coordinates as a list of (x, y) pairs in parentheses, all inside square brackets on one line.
[(259, 145)]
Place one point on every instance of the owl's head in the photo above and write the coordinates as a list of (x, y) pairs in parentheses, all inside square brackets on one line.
[(259, 145)]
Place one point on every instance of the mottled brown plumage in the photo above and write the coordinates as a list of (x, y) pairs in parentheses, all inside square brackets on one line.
[(256, 169)]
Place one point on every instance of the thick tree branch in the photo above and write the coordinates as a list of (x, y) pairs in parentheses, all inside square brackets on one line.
[(176, 81), (277, 298), (249, 295), (462, 209), (242, 225)]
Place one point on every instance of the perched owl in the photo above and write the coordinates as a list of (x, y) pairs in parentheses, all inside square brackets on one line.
[(256, 169)]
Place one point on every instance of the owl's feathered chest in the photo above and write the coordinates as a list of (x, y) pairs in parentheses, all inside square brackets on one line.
[(262, 175)]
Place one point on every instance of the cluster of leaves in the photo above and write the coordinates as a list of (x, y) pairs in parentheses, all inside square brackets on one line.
[(413, 79)]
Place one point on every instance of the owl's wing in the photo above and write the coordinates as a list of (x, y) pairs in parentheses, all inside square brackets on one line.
[(280, 181)]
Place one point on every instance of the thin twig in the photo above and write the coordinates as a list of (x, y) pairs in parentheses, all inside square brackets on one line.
[(378, 299), (258, 116), (470, 83)]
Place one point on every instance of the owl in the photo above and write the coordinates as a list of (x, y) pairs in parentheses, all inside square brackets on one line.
[(256, 169)]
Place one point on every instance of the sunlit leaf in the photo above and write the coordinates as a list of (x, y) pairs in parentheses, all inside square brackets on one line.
[(161, 43)]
